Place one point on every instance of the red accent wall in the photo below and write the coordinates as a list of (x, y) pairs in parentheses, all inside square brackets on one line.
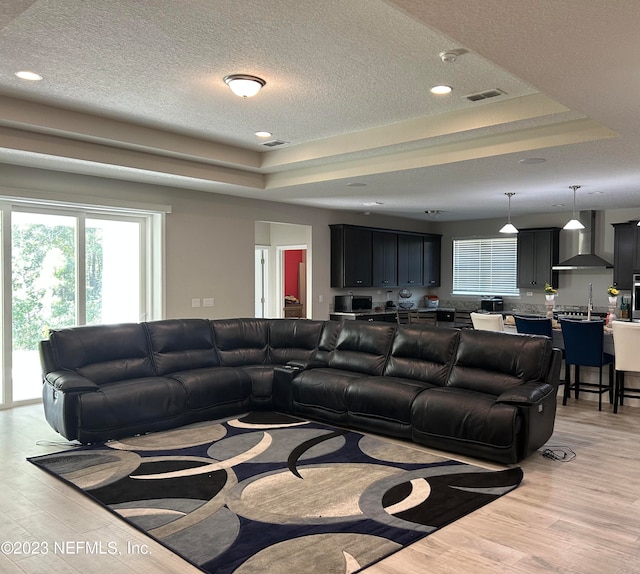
[(291, 259)]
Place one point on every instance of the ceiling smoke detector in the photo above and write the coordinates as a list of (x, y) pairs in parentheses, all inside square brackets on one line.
[(450, 56)]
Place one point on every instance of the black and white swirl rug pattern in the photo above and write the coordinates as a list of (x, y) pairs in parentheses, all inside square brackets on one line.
[(267, 493)]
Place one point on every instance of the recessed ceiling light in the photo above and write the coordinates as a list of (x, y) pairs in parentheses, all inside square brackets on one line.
[(531, 160), (441, 90), (31, 76), (595, 193), (264, 134), (557, 205), (356, 184), (372, 203)]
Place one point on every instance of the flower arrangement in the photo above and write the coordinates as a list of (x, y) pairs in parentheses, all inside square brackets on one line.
[(612, 291), (550, 290)]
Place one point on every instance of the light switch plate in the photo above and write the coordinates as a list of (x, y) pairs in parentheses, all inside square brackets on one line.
[(195, 302), (208, 302)]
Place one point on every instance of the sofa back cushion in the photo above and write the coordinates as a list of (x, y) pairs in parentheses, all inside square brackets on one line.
[(362, 347), (103, 353), (293, 340), (328, 340), (181, 344), (422, 353), (491, 362), (241, 341)]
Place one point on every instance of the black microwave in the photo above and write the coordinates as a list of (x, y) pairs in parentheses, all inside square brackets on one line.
[(351, 303)]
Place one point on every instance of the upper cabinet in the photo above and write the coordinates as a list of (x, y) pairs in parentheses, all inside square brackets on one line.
[(626, 253), (409, 260), (538, 251), (351, 250), (384, 259), (431, 260), (373, 257)]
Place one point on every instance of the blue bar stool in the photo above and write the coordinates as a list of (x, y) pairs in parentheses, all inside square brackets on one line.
[(583, 346), (534, 325)]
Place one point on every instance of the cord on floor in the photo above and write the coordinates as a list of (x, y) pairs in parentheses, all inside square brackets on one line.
[(559, 453)]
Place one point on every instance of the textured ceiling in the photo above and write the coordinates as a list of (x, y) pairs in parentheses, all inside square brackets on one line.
[(134, 90)]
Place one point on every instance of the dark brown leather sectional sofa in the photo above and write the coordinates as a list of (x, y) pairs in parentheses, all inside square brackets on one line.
[(478, 393)]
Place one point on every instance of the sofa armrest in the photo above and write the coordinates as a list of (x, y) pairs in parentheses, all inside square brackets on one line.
[(528, 394), (304, 365), (68, 381), (282, 382)]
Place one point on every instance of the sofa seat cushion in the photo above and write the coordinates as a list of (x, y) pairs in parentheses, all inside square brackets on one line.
[(131, 403), (323, 388), (466, 416), (384, 397), (214, 386)]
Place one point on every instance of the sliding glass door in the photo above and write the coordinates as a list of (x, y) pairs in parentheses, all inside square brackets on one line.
[(66, 268), (43, 290)]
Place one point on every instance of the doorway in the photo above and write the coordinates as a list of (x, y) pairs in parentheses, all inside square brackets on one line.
[(292, 288), (274, 241)]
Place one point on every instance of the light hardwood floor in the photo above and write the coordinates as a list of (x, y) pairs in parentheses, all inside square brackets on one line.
[(579, 517)]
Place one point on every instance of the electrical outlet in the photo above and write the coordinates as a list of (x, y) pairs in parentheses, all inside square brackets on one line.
[(208, 302), (195, 302), (529, 293), (320, 298)]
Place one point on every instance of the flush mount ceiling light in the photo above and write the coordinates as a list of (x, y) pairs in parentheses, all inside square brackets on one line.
[(31, 76), (243, 85), (441, 90), (574, 222), (263, 134), (508, 227)]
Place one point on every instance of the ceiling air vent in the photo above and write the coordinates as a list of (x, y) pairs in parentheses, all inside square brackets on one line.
[(273, 143), (485, 95)]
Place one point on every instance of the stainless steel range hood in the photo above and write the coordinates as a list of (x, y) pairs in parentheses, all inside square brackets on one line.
[(586, 258)]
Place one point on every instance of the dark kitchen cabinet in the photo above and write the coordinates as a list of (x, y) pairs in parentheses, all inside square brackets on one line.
[(538, 252), (626, 254), (351, 251), (409, 260), (374, 257), (384, 259), (431, 260)]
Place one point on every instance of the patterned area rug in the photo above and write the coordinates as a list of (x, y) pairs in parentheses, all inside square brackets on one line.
[(268, 493)]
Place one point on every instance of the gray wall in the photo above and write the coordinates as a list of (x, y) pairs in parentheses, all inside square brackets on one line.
[(211, 238)]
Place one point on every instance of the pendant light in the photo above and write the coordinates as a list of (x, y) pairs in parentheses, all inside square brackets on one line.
[(574, 223), (508, 227)]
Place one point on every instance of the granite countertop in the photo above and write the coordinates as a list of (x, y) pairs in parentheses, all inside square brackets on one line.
[(387, 311)]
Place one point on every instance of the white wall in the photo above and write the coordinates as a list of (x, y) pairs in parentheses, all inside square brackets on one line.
[(211, 239)]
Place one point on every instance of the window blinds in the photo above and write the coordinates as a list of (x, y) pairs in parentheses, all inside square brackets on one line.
[(485, 266)]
